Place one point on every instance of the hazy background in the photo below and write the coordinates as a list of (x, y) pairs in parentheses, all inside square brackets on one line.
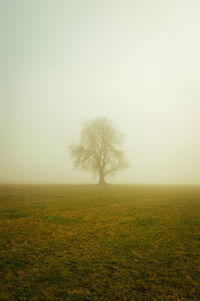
[(136, 62)]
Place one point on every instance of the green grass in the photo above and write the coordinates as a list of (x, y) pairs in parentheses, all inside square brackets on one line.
[(86, 242)]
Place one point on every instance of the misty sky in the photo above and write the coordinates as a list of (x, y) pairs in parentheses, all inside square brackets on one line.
[(64, 62)]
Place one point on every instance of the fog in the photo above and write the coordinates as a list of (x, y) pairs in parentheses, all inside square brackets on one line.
[(66, 62)]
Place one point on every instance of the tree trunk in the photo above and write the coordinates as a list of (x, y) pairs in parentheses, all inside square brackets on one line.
[(101, 178)]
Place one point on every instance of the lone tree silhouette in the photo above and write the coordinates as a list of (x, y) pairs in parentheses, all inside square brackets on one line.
[(99, 150)]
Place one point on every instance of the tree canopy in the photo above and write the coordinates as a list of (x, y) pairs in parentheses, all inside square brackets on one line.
[(100, 149)]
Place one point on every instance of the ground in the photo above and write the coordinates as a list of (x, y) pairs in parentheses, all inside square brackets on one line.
[(90, 242)]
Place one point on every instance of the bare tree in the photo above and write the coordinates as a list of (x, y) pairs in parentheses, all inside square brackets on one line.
[(99, 149)]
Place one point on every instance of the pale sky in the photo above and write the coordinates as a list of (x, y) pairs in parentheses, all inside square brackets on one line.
[(64, 62)]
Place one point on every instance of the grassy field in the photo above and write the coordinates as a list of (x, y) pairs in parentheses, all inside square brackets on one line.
[(86, 242)]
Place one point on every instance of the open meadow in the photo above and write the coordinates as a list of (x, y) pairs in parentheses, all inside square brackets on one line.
[(90, 242)]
